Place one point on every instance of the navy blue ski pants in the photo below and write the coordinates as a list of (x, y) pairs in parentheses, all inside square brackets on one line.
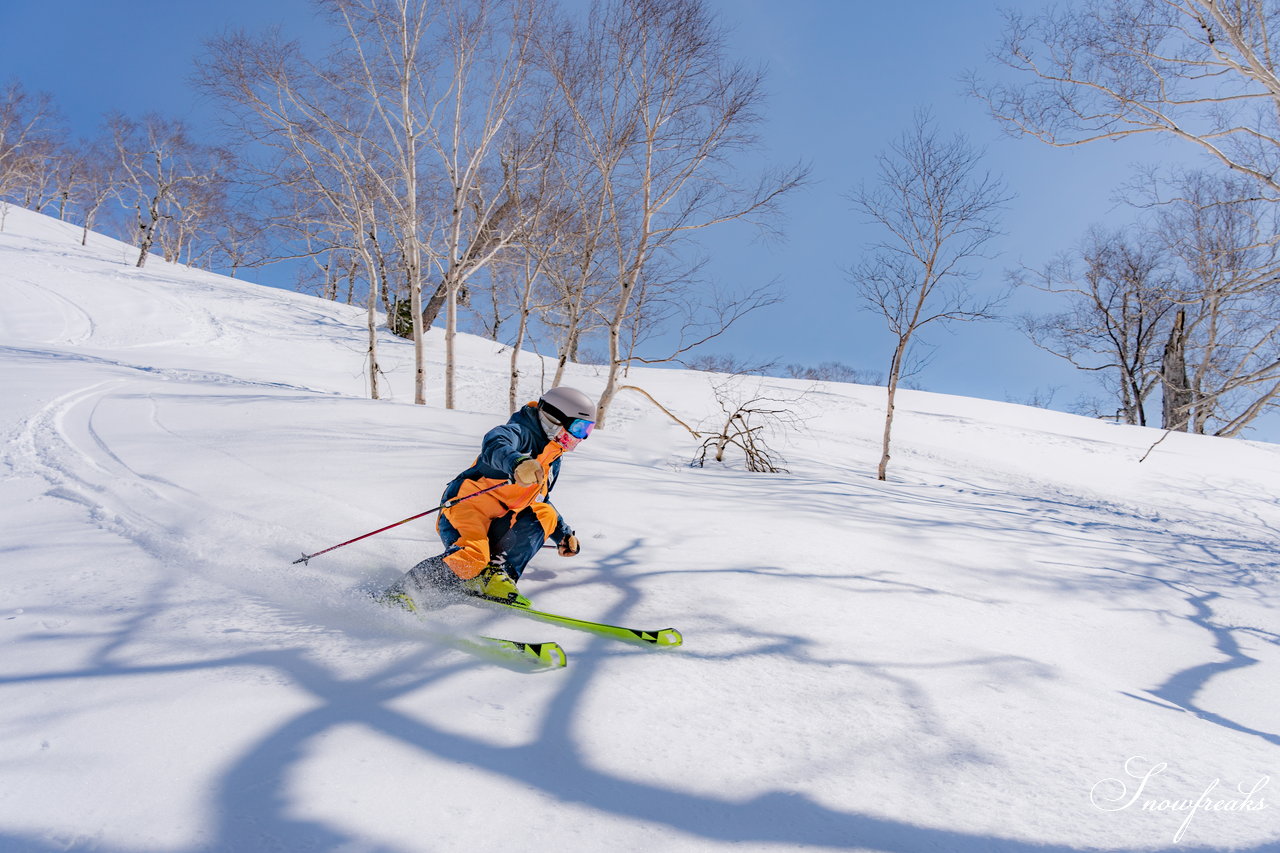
[(514, 538)]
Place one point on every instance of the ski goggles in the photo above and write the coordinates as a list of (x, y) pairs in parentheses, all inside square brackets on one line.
[(580, 428)]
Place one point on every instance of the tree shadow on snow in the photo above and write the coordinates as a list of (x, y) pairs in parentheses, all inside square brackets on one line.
[(253, 808)]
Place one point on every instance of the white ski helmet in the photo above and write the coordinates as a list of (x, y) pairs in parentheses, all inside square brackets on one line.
[(564, 405), (567, 416)]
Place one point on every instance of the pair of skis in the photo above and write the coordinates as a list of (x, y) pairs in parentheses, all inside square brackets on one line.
[(551, 655)]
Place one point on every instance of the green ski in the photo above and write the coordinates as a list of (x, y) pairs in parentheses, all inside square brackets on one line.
[(538, 655), (533, 655), (665, 637)]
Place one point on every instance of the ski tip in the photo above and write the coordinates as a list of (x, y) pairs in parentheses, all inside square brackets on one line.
[(665, 637), (539, 656), (669, 637), (550, 655)]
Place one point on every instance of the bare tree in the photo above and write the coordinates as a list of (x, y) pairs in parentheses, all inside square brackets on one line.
[(420, 98), (1118, 295), (527, 275), (540, 247), (1202, 71), (834, 371), (939, 212), (71, 178), (160, 169), (386, 64), (27, 125), (703, 314), (576, 256), (730, 364), (754, 420), (44, 173), (198, 207), (241, 237), (346, 148), (658, 110), (1223, 354), (479, 144), (99, 177)]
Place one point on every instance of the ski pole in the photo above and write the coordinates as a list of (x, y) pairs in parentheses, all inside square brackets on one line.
[(306, 557)]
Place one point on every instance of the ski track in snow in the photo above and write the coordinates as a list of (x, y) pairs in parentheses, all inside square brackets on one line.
[(949, 662), (77, 323)]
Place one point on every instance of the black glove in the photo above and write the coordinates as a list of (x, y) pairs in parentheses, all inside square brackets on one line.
[(569, 546)]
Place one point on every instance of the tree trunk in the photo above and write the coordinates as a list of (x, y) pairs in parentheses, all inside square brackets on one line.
[(1138, 414), (414, 264), (432, 309), (615, 354), (513, 390), (1176, 391), (895, 375), (630, 276), (144, 244), (569, 352), (331, 279), (450, 333), (373, 342), (882, 471), (419, 352)]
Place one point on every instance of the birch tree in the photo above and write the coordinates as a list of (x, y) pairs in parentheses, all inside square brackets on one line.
[(197, 208), (351, 159), (27, 124), (42, 166), (575, 259), (160, 167), (540, 249), (659, 110), (1118, 291), (72, 179), (1203, 72), (938, 211), (1225, 343), (428, 92), (386, 64), (479, 144), (99, 179)]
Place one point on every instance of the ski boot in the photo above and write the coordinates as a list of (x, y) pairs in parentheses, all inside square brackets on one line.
[(496, 585), (395, 596), (427, 585)]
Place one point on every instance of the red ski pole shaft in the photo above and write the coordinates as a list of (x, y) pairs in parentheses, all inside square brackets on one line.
[(306, 557)]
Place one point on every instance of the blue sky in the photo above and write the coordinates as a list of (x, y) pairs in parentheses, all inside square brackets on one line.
[(845, 78)]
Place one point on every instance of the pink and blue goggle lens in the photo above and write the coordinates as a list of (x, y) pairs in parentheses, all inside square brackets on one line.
[(580, 427)]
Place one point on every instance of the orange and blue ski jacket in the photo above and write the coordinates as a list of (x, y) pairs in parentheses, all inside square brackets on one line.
[(503, 448)]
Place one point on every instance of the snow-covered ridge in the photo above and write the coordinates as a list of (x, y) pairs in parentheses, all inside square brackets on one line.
[(996, 650)]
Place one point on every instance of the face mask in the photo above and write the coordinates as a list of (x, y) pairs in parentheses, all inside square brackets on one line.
[(565, 439)]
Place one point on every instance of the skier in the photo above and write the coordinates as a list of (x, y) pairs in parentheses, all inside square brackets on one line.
[(489, 539)]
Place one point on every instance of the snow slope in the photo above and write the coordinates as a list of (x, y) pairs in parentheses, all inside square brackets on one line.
[(1026, 641)]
